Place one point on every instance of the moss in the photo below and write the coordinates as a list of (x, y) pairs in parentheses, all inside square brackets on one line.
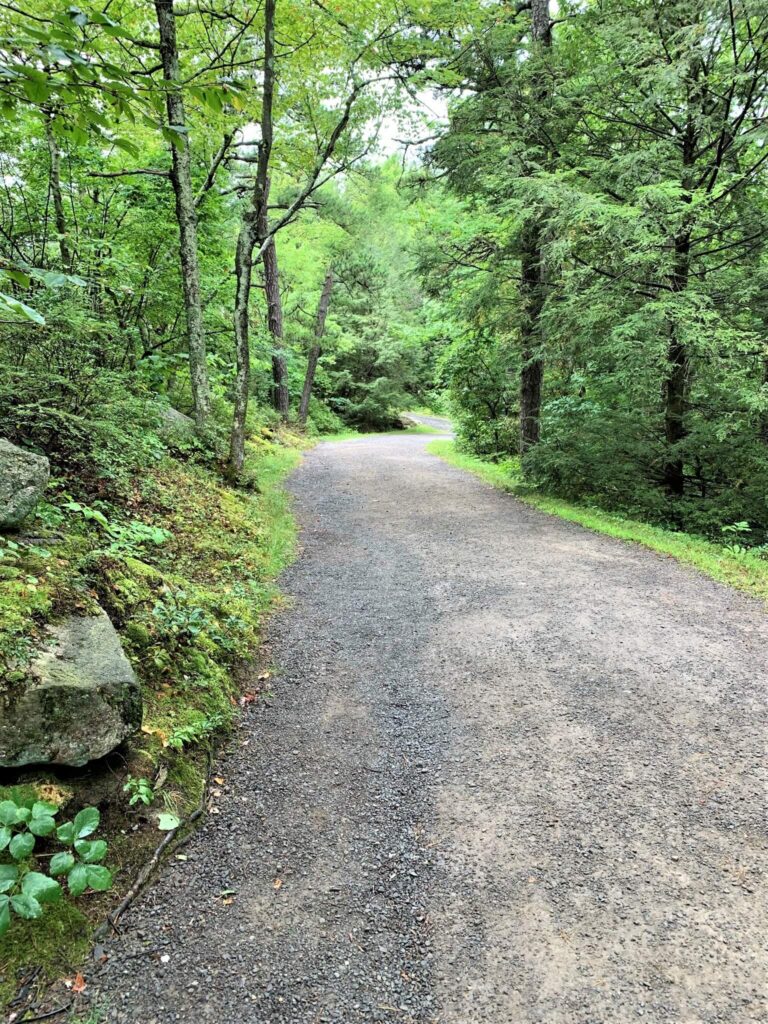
[(744, 572), (53, 943)]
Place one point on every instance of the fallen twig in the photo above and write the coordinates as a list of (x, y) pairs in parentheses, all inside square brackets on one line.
[(143, 876)]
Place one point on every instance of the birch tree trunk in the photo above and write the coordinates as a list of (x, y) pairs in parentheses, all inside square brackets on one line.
[(58, 200), (181, 178), (315, 350)]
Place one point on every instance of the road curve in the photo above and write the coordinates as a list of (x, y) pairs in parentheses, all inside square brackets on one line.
[(512, 772)]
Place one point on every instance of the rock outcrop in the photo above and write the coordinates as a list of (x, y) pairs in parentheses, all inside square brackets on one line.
[(23, 476), (79, 701)]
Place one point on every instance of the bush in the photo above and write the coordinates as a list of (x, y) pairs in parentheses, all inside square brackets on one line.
[(94, 430)]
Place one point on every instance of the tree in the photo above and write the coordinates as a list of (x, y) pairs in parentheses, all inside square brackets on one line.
[(315, 350), (532, 269), (181, 178)]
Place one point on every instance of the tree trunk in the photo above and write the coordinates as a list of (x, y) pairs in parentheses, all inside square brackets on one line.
[(315, 350), (676, 384), (254, 218), (532, 370), (532, 281), (181, 177), (58, 201), (280, 396)]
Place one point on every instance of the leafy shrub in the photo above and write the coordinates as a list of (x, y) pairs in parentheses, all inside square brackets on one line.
[(25, 891), (93, 428), (139, 790)]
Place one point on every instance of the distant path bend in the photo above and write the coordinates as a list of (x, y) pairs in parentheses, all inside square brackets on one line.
[(512, 772)]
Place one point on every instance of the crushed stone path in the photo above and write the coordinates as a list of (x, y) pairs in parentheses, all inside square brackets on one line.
[(512, 772)]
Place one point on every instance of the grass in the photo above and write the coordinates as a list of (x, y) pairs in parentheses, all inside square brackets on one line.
[(744, 572)]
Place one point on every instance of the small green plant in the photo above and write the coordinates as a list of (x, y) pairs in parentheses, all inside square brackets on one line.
[(24, 891), (89, 514), (195, 731), (140, 790), (736, 530), (134, 538), (178, 621)]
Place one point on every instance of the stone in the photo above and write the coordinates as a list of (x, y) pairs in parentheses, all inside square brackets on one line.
[(23, 476), (79, 701), (175, 426)]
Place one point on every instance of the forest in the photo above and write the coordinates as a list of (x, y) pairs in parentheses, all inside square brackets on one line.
[(229, 230)]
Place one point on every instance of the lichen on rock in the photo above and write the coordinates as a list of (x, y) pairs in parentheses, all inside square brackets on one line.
[(80, 700)]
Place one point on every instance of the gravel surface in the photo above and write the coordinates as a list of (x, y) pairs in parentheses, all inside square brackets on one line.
[(511, 772)]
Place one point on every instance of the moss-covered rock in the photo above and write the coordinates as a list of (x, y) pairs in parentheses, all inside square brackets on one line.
[(23, 476), (79, 701)]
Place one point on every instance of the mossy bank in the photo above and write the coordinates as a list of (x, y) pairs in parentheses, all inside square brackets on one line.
[(185, 566)]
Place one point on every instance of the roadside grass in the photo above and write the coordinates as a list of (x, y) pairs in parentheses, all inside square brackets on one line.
[(744, 572)]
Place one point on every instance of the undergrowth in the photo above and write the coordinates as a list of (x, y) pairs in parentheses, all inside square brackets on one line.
[(185, 565), (743, 570)]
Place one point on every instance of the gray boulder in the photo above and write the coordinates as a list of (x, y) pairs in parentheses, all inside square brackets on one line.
[(175, 426), (79, 701), (23, 477)]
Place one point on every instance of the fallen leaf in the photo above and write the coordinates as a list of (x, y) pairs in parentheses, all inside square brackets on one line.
[(76, 984)]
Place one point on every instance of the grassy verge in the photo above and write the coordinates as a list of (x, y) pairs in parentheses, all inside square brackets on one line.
[(186, 567), (744, 572)]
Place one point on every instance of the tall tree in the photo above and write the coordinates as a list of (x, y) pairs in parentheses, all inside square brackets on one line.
[(253, 228), (315, 349), (56, 193), (186, 216), (280, 396), (532, 276)]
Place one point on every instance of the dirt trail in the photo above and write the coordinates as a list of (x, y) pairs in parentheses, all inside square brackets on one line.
[(513, 772)]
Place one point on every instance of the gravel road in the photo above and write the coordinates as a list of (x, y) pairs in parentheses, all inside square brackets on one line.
[(512, 772)]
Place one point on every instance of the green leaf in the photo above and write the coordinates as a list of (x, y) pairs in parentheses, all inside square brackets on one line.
[(42, 826), (41, 887), (77, 879), (91, 851), (126, 146), (22, 845), (167, 822), (42, 808), (8, 811), (99, 877), (23, 814), (5, 836), (66, 832), (5, 914), (9, 305), (26, 906), (61, 863), (22, 279), (87, 821), (8, 872)]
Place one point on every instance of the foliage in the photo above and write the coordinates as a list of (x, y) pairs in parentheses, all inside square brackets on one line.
[(24, 892), (139, 790), (647, 196)]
